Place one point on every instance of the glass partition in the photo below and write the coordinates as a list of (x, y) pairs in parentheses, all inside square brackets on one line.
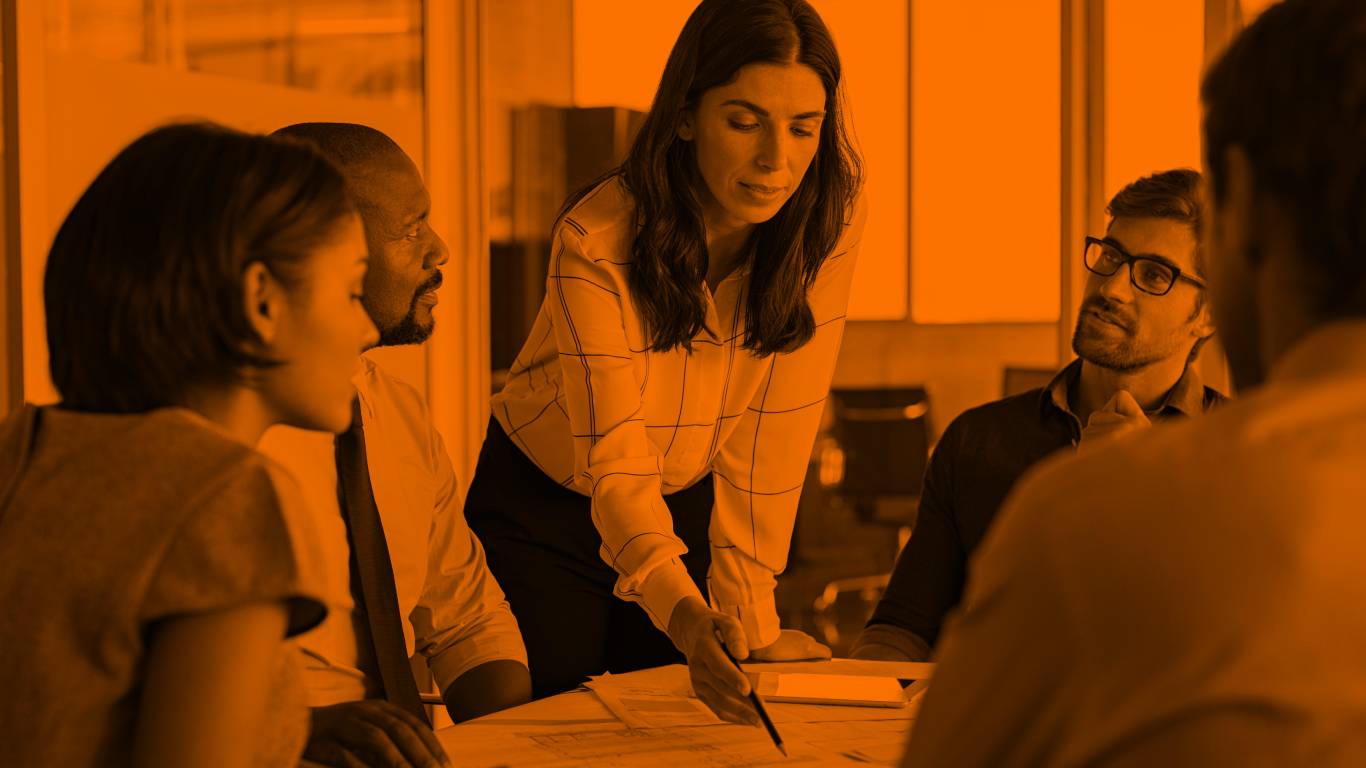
[(364, 48)]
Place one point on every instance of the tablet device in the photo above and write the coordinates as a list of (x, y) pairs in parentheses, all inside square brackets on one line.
[(849, 690)]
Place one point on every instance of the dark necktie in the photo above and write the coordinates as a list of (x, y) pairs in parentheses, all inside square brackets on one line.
[(371, 567)]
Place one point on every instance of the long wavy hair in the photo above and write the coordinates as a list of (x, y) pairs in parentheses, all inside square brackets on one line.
[(669, 253)]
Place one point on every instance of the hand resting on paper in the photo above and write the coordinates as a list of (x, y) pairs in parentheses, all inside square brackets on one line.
[(694, 627), (372, 732)]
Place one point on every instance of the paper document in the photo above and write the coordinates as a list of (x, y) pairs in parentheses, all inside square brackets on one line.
[(592, 728), (649, 707)]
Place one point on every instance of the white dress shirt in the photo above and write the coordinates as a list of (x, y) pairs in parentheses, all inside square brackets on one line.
[(456, 613)]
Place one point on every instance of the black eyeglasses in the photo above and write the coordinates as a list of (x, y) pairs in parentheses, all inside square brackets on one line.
[(1147, 273)]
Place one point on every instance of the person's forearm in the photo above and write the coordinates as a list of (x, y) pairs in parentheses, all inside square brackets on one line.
[(487, 688), (888, 642)]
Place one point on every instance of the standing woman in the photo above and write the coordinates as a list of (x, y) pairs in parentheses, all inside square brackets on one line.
[(205, 286), (651, 442)]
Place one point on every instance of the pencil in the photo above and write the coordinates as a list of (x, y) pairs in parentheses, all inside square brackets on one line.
[(755, 700)]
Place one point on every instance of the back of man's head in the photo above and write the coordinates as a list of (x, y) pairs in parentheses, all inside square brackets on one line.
[(1290, 92)]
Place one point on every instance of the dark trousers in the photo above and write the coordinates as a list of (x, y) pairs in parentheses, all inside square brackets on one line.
[(542, 547)]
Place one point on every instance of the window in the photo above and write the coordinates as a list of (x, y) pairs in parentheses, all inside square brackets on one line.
[(985, 158), (363, 48), (1153, 55)]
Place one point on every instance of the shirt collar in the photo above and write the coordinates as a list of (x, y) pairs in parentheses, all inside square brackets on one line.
[(1186, 397), (1055, 394)]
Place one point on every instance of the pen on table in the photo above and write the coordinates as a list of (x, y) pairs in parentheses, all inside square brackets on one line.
[(754, 699)]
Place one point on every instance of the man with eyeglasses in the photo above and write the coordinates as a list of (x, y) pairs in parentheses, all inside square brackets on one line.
[(1143, 319)]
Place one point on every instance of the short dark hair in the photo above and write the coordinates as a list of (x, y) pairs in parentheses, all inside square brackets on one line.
[(345, 144), (1291, 93), (669, 252), (1173, 194), (143, 286)]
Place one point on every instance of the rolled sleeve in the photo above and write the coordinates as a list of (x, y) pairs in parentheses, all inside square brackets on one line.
[(462, 618)]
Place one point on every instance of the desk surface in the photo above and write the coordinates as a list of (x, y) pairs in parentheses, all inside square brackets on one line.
[(576, 729)]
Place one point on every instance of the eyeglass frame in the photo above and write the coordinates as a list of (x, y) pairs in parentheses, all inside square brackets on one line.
[(1129, 260)]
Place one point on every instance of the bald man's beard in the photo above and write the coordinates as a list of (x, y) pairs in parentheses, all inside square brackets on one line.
[(409, 330)]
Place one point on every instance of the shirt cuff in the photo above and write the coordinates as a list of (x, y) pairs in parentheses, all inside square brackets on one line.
[(496, 637), (743, 588), (662, 589), (887, 642), (759, 618)]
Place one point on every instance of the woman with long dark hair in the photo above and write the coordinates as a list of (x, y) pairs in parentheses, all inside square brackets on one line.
[(650, 444), (205, 286)]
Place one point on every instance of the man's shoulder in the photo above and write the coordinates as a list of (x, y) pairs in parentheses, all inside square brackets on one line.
[(1175, 465), (1027, 403), (993, 417), (393, 404), (377, 383)]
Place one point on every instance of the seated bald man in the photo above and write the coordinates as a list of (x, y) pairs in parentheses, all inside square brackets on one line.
[(386, 499)]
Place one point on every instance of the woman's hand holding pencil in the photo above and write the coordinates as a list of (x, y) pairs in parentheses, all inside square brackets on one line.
[(699, 632)]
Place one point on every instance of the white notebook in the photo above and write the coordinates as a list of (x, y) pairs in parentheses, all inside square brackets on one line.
[(851, 690)]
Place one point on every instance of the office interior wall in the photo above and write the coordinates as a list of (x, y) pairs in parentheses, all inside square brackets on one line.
[(984, 181)]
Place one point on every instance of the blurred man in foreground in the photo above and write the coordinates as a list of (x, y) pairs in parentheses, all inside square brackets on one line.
[(1192, 597)]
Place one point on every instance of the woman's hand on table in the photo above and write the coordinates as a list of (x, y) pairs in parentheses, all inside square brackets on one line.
[(694, 628), (791, 645)]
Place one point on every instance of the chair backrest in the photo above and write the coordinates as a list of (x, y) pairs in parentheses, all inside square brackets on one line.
[(885, 436)]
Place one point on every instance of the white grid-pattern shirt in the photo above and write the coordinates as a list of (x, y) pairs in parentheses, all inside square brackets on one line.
[(601, 414)]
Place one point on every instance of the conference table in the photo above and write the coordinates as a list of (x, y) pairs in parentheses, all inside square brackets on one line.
[(650, 717)]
